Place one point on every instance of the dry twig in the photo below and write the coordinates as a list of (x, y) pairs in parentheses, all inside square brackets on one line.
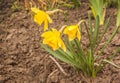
[(59, 66)]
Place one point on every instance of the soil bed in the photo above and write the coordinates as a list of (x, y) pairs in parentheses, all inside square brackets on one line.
[(22, 60)]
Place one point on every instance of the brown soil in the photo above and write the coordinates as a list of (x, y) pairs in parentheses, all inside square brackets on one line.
[(22, 60)]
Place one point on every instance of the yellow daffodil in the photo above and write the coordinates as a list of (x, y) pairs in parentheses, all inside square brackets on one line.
[(40, 17), (53, 39), (72, 32)]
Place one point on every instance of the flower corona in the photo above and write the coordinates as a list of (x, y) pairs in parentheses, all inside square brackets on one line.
[(53, 39), (73, 32)]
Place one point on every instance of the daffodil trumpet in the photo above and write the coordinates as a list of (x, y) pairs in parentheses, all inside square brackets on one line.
[(41, 17), (53, 39), (73, 31)]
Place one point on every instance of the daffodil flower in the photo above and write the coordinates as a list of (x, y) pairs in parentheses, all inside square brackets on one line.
[(72, 32), (53, 39), (40, 17)]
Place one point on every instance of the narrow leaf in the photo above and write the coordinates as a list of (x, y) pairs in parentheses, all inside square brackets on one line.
[(105, 29), (96, 32), (56, 54)]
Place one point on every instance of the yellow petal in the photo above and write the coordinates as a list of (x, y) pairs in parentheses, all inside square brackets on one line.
[(41, 16), (53, 44), (72, 32), (53, 39), (46, 34), (45, 25), (49, 19), (55, 30), (38, 19), (62, 45)]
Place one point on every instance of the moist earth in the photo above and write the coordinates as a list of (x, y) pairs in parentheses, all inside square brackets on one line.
[(22, 59)]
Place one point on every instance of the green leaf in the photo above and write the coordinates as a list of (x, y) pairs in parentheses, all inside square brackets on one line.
[(56, 54), (118, 15), (105, 29), (98, 8), (90, 31), (103, 33), (90, 24), (96, 32), (89, 35), (118, 19), (89, 58), (81, 55), (70, 48)]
